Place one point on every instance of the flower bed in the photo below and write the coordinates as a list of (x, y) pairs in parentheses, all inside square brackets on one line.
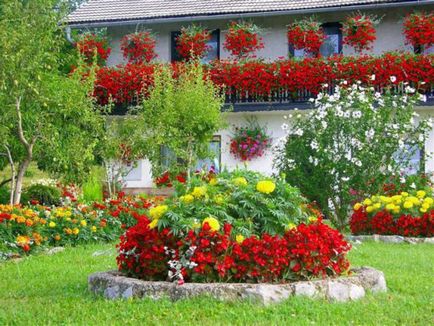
[(236, 227), (406, 214), (263, 81)]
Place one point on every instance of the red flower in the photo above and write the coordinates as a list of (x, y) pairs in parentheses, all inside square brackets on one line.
[(92, 44), (192, 42), (419, 29), (306, 34), (139, 47), (242, 40), (359, 32)]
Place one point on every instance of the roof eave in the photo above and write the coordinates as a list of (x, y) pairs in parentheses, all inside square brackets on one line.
[(235, 15)]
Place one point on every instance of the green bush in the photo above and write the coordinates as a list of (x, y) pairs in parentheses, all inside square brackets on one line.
[(252, 203), (46, 195), (93, 188), (4, 195)]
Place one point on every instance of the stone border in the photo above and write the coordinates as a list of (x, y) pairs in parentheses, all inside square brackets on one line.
[(389, 239), (114, 285)]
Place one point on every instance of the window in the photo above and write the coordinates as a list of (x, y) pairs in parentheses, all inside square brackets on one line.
[(214, 163), (332, 44), (415, 155), (213, 43)]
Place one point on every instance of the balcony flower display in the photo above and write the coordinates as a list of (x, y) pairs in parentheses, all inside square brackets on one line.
[(192, 42), (306, 34), (243, 39), (139, 47), (250, 141), (236, 227), (419, 29), (92, 44), (359, 31)]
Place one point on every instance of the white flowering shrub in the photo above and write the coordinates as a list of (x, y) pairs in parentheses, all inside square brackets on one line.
[(350, 144)]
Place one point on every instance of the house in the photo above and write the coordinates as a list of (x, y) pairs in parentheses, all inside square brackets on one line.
[(166, 17)]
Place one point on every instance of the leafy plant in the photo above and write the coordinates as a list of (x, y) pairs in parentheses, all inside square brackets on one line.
[(93, 188), (45, 195)]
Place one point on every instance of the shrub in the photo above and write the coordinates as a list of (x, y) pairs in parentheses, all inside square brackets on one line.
[(251, 202), (43, 194), (93, 188), (404, 213), (4, 195)]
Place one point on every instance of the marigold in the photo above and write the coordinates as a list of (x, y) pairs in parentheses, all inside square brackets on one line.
[(199, 192), (239, 238), (76, 231), (158, 211), (83, 223), (153, 224), (357, 206), (52, 224), (187, 199), (212, 222), (266, 186), (240, 181)]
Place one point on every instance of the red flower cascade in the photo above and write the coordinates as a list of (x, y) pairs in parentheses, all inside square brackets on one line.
[(139, 47)]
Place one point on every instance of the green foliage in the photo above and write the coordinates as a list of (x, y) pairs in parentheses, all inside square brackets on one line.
[(182, 114), (233, 197), (45, 195), (93, 188), (4, 195), (351, 143)]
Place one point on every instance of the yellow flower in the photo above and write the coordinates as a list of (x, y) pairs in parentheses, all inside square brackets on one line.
[(67, 230), (199, 192), (414, 200), (390, 207), (265, 186), (219, 199), (404, 194), (423, 210), (425, 205), (291, 226), (357, 206), (369, 209), (212, 222), (22, 240), (75, 231), (396, 210), (93, 228), (312, 219), (239, 238), (158, 211), (83, 223), (153, 224), (408, 204), (187, 199), (213, 181), (240, 181), (421, 194), (20, 219), (377, 206), (429, 201), (52, 224), (367, 202)]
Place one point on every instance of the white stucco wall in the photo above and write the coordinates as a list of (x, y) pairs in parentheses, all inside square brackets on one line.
[(389, 38)]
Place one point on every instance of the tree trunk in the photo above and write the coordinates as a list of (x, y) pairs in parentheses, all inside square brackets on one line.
[(20, 177), (13, 174)]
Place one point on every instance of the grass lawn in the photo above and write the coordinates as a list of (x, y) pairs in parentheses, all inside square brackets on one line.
[(43, 290)]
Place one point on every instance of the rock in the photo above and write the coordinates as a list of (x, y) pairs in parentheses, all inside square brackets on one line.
[(429, 240), (55, 250), (388, 239), (102, 253), (114, 285)]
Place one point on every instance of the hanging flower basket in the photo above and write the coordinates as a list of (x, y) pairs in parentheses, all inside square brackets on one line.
[(192, 42), (419, 29), (91, 44), (306, 34), (242, 39), (359, 31), (250, 141), (139, 47)]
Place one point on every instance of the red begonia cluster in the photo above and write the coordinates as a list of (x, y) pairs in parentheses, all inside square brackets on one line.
[(306, 34), (193, 42), (359, 32), (262, 80), (419, 29), (307, 251), (242, 40), (138, 47), (385, 223), (92, 44)]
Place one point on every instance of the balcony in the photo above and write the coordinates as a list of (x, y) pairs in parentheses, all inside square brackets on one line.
[(280, 85)]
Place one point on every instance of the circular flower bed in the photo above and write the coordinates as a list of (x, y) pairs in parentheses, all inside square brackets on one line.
[(250, 141), (235, 227), (406, 214)]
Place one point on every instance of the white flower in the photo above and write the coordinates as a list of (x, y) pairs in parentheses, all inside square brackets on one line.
[(357, 114), (298, 132), (345, 179), (314, 144), (324, 124), (373, 77), (285, 126), (392, 79), (413, 185), (370, 133)]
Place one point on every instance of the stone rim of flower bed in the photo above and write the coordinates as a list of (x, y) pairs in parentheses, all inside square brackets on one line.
[(389, 239), (115, 285)]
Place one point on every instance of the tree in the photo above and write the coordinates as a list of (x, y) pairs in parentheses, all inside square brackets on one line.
[(46, 115), (181, 114), (350, 144)]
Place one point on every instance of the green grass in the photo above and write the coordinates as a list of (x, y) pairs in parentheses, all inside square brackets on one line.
[(32, 174), (43, 290)]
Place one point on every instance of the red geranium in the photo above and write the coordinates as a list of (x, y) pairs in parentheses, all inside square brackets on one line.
[(92, 44), (359, 31), (242, 39), (306, 34), (192, 42), (249, 142), (139, 47), (419, 29)]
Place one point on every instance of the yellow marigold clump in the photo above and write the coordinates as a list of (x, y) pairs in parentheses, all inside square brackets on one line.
[(265, 186), (158, 211), (187, 199), (199, 192), (240, 181), (212, 222)]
